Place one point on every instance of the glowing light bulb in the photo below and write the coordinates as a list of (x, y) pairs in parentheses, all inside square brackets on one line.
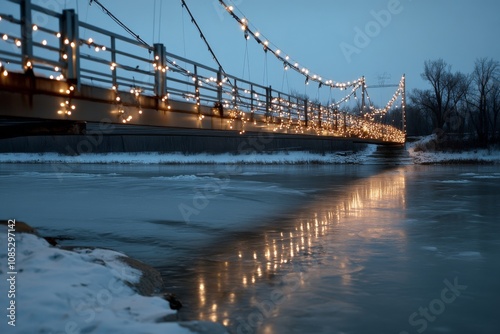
[(35, 27)]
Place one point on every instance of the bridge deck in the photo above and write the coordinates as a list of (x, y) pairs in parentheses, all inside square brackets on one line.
[(31, 97)]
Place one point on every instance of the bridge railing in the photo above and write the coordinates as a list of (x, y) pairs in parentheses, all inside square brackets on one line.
[(63, 48)]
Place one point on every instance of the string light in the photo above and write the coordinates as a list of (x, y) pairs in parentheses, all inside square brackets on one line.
[(281, 114), (277, 52), (67, 108)]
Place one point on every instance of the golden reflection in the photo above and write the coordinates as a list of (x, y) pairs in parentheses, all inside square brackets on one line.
[(325, 236)]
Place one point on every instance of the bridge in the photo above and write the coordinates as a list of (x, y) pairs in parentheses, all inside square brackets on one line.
[(52, 81)]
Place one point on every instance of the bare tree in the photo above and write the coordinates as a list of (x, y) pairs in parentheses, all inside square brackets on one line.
[(418, 124), (441, 101), (483, 99), (495, 107)]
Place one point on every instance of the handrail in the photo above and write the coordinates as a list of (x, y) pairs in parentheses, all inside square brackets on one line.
[(202, 84)]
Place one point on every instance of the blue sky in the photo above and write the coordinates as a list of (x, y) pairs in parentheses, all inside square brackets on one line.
[(317, 34), (339, 40)]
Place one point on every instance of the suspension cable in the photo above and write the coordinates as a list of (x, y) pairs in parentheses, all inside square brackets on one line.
[(202, 36), (120, 23)]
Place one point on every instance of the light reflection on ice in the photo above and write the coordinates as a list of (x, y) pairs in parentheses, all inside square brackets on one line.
[(293, 259)]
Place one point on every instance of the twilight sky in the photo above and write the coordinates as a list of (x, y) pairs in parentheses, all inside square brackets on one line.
[(339, 40)]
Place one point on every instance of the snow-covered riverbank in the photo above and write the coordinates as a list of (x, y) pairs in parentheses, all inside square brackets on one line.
[(294, 157), (422, 152), (79, 291)]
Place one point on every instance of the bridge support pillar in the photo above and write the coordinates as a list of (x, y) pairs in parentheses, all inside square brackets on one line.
[(70, 46), (160, 54)]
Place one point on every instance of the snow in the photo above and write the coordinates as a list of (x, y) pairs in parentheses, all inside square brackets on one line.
[(296, 157), (420, 151), (83, 291), (428, 156)]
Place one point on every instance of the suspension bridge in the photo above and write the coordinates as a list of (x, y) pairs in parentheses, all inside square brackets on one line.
[(52, 81)]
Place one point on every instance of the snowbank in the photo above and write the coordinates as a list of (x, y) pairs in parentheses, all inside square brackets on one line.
[(178, 158), (81, 291), (422, 152)]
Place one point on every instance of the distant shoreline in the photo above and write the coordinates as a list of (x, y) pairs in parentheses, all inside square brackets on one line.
[(423, 153), (417, 153)]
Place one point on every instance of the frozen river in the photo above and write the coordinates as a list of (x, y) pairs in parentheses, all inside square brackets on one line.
[(289, 249)]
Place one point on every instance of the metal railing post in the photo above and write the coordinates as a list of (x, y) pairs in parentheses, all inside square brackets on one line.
[(336, 121), (113, 60), (268, 102), (160, 56), (252, 111), (196, 88), (289, 109), (70, 46), (236, 95), (26, 33), (219, 86), (319, 115), (280, 111), (305, 113), (345, 124)]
